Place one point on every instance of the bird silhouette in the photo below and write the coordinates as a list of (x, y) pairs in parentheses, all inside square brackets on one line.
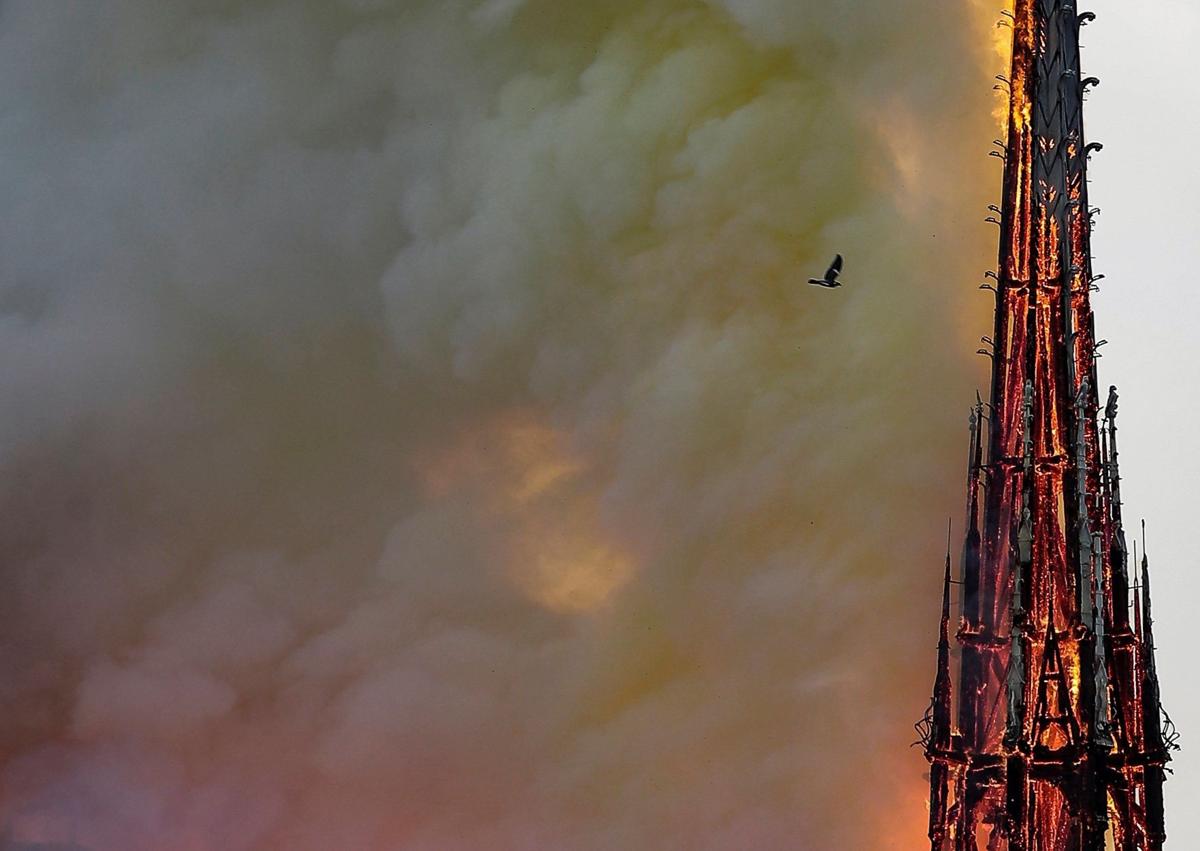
[(831, 275)]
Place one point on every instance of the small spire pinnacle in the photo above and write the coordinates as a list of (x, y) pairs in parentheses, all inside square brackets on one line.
[(1085, 566), (940, 732), (1147, 619), (1152, 709), (973, 540), (1102, 726), (945, 638), (1137, 599)]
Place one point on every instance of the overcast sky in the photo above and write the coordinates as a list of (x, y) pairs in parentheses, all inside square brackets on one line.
[(1147, 183)]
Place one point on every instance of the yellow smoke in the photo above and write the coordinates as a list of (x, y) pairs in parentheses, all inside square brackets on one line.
[(421, 435), (531, 486)]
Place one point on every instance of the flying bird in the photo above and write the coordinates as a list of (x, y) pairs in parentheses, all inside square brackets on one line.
[(831, 275)]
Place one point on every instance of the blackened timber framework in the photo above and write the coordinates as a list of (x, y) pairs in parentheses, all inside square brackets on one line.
[(1053, 739)]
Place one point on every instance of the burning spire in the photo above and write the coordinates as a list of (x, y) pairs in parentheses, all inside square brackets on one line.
[(1060, 742)]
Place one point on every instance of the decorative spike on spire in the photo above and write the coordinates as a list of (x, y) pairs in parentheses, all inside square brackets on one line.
[(1118, 550), (1152, 716), (938, 731), (946, 590), (972, 542), (1149, 623), (943, 689), (1083, 521), (1150, 666), (1102, 719), (1137, 602)]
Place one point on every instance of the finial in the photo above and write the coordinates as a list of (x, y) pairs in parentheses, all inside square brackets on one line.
[(946, 583), (1137, 597)]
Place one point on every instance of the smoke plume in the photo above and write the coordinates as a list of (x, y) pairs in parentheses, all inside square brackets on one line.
[(415, 432)]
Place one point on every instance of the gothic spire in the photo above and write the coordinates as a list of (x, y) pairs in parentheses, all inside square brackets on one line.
[(1045, 630)]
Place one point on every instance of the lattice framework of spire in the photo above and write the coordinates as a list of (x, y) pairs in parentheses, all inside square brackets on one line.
[(1053, 737)]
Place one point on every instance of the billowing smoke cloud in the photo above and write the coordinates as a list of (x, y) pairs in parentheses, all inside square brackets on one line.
[(415, 432)]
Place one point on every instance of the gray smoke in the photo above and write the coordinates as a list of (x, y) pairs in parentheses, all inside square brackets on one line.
[(415, 433)]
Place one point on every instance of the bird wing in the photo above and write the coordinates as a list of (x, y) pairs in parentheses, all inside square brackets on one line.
[(835, 268)]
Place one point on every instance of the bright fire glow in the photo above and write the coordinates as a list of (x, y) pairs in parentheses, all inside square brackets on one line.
[(518, 475)]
